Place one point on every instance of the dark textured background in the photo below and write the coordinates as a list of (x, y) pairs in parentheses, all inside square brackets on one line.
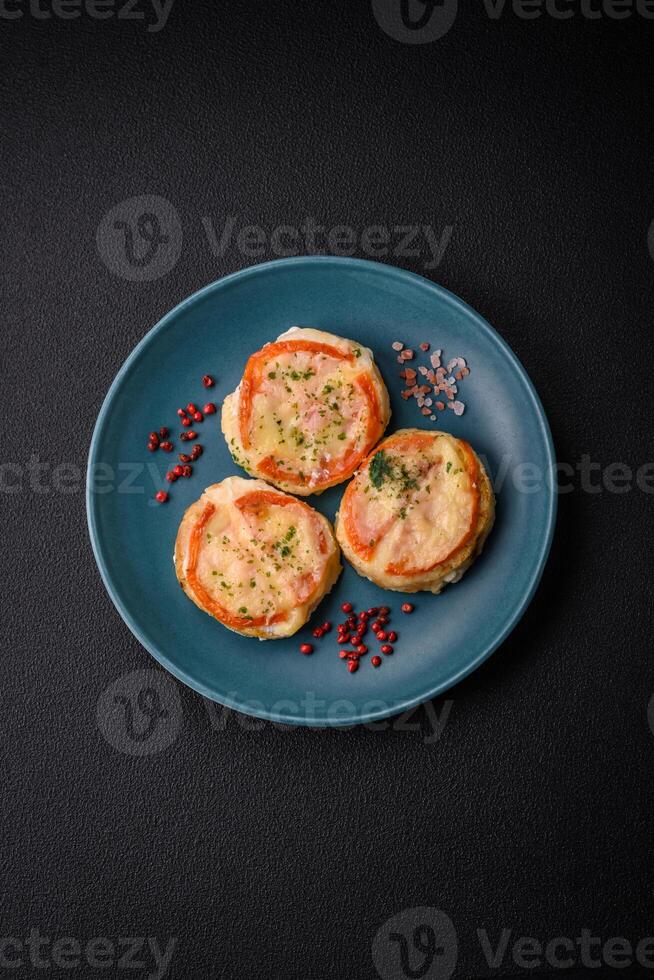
[(274, 853)]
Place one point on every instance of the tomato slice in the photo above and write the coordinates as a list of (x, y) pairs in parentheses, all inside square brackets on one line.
[(208, 602), (472, 469), (258, 501), (339, 467), (253, 373), (365, 549), (336, 468)]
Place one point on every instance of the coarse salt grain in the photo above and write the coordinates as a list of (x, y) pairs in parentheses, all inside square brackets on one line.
[(441, 379)]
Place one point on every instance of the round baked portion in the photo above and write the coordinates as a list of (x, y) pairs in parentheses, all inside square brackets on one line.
[(308, 410), (258, 560), (417, 513)]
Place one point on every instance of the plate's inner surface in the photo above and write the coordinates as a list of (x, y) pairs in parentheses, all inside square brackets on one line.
[(214, 332)]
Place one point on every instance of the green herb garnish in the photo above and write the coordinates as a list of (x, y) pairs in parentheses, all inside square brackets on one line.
[(380, 469), (408, 482)]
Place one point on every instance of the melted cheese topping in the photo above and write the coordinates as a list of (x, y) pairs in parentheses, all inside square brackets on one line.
[(256, 559), (259, 564), (308, 411), (413, 504), (310, 414)]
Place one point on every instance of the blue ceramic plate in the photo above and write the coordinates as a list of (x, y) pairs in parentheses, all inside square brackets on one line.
[(214, 332)]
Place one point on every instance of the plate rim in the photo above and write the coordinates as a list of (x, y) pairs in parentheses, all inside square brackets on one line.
[(241, 705)]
